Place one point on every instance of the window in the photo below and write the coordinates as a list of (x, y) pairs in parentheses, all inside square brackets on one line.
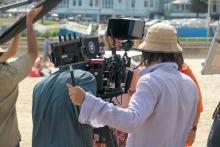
[(96, 3), (80, 3), (133, 3), (64, 4), (214, 8), (182, 7), (146, 3), (151, 3), (74, 2), (108, 4), (91, 3)]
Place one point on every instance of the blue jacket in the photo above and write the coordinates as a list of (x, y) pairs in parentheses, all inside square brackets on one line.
[(55, 123)]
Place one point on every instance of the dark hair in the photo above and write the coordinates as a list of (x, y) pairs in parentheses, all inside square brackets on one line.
[(1, 53), (179, 59), (150, 57)]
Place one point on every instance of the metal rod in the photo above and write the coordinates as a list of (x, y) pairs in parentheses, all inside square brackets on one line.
[(18, 4), (77, 110)]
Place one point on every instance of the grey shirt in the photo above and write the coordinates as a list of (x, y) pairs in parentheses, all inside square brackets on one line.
[(10, 75), (55, 123)]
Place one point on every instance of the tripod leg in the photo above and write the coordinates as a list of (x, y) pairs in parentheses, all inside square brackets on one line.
[(112, 141), (110, 138), (106, 137)]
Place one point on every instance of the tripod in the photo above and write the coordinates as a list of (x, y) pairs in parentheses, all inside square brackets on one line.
[(106, 136)]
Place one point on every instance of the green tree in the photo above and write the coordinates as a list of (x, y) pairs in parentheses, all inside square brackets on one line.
[(199, 6)]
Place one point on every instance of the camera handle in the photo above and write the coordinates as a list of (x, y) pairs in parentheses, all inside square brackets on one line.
[(77, 110)]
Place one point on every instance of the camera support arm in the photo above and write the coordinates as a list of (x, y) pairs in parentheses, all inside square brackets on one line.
[(18, 4), (20, 24), (77, 110)]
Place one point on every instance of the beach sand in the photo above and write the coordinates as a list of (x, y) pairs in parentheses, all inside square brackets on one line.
[(210, 86)]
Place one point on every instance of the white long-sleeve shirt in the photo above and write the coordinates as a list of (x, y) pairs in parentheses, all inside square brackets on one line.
[(160, 113)]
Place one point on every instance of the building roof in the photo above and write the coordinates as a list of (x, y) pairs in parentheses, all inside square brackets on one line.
[(181, 2)]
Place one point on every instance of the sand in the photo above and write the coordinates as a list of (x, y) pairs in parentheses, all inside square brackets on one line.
[(210, 86)]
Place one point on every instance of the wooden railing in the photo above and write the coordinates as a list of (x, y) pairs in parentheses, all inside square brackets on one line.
[(195, 45)]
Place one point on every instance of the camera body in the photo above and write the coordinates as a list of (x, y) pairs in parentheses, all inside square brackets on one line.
[(108, 71), (74, 51)]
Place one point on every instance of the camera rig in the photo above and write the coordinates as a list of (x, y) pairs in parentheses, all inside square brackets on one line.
[(112, 73), (113, 78)]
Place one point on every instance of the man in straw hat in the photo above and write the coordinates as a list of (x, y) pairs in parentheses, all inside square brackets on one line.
[(10, 75), (161, 111)]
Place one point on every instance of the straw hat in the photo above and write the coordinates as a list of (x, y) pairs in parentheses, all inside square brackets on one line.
[(160, 38)]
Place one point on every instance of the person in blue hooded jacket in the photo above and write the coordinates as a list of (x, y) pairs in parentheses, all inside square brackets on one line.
[(55, 121)]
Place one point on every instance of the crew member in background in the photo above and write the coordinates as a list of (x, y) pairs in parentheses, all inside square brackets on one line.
[(11, 74), (46, 48)]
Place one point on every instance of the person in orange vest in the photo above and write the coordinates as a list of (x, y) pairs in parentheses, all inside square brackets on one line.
[(184, 68)]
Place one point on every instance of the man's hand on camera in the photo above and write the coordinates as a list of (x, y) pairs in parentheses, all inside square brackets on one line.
[(77, 94)]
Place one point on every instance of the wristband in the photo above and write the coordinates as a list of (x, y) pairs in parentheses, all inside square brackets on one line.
[(194, 128)]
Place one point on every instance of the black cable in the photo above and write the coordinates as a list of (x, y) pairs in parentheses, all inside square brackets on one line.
[(138, 66)]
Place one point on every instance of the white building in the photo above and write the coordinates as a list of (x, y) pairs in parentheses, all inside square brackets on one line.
[(8, 1), (215, 8), (106, 8), (181, 8)]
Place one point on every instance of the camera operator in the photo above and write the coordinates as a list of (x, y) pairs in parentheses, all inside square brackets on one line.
[(11, 74), (55, 123), (161, 111)]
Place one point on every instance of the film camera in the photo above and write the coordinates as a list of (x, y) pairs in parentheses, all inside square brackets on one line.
[(112, 73)]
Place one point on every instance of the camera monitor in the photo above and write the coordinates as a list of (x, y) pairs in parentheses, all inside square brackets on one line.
[(74, 52), (68, 53), (125, 29)]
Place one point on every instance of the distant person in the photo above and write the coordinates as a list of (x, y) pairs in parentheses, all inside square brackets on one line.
[(46, 47), (43, 67), (11, 74), (161, 111)]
